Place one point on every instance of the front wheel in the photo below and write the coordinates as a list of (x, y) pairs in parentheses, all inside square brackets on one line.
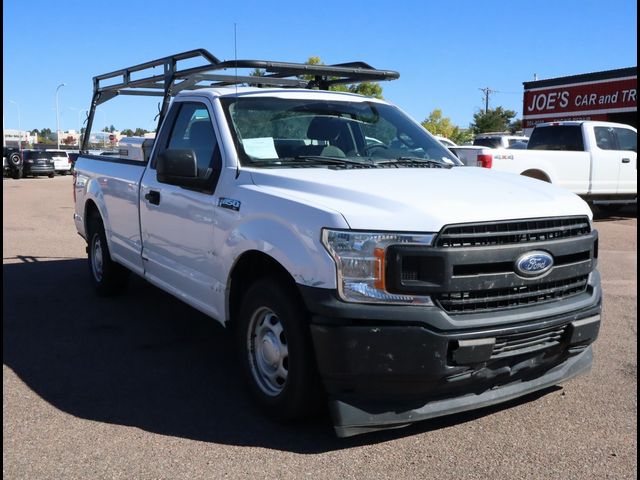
[(108, 277), (277, 354)]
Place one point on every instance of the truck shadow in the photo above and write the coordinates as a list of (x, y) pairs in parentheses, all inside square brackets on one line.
[(602, 215), (147, 360)]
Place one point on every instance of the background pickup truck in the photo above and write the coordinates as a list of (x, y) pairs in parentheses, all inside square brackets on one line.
[(354, 261), (596, 160)]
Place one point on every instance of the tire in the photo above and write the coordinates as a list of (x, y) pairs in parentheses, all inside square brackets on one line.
[(15, 160), (107, 277), (16, 173), (51, 175), (276, 352)]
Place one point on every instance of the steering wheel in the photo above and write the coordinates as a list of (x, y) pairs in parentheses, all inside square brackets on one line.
[(368, 150)]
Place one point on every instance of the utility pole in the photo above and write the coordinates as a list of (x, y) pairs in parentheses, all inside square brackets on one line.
[(487, 91)]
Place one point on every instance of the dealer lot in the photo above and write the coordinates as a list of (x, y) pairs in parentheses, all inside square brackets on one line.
[(143, 386)]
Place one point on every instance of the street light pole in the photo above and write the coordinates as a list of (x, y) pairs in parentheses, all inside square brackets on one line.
[(79, 110), (19, 125), (58, 115)]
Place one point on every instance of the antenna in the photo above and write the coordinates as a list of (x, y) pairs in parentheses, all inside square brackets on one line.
[(235, 55)]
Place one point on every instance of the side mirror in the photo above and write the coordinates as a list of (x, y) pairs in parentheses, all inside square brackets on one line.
[(178, 167)]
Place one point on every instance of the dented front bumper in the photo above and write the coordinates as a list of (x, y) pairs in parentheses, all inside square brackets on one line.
[(389, 367)]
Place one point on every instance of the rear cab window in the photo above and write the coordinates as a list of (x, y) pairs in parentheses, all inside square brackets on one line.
[(557, 137), (488, 142)]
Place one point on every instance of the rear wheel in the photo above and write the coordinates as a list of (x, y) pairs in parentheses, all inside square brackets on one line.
[(108, 277), (277, 354), (16, 173)]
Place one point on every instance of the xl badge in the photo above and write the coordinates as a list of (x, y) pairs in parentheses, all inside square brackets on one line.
[(533, 264)]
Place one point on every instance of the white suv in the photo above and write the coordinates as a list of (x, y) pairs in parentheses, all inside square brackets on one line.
[(498, 140), (61, 161)]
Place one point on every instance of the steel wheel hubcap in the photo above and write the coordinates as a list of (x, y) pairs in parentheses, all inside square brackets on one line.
[(96, 258), (268, 351)]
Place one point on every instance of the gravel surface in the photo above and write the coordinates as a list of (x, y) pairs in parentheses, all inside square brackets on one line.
[(145, 387)]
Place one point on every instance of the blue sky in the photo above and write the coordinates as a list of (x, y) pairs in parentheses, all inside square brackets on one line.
[(445, 51)]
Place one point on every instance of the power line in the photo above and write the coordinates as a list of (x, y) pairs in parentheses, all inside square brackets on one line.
[(487, 91)]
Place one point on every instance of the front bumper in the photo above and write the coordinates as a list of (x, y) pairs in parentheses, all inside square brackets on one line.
[(386, 366)]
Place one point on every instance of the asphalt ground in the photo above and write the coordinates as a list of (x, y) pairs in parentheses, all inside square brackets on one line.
[(144, 387)]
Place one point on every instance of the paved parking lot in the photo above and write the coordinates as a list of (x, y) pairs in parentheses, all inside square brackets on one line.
[(145, 387)]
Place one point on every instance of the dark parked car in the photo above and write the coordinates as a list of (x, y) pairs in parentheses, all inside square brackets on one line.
[(11, 162), (38, 162)]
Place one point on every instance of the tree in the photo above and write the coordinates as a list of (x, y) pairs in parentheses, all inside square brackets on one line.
[(439, 125), (515, 126), (494, 120), (139, 132), (127, 132), (112, 129), (44, 134)]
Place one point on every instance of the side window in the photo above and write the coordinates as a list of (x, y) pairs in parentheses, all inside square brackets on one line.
[(193, 130), (627, 139), (605, 138)]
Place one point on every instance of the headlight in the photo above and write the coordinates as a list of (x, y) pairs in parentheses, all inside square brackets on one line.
[(360, 261)]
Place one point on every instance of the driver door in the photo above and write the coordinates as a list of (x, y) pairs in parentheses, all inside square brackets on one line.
[(177, 223)]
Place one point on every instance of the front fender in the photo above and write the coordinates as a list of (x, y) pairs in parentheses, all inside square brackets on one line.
[(298, 250)]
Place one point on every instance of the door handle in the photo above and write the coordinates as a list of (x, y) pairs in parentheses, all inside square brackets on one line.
[(626, 160), (152, 196)]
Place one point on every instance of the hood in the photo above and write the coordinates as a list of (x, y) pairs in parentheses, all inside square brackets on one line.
[(420, 199)]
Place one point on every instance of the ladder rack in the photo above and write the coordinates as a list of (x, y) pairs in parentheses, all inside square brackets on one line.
[(141, 80)]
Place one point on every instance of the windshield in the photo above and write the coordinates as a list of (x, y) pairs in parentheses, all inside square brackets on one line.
[(271, 132)]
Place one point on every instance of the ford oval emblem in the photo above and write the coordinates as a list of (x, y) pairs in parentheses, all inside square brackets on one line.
[(533, 264)]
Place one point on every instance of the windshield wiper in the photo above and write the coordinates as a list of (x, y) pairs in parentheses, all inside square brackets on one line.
[(399, 161), (333, 160)]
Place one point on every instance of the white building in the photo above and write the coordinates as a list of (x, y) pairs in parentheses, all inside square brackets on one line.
[(68, 138), (13, 137)]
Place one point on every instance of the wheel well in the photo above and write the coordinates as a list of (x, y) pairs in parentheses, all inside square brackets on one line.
[(251, 266), (537, 174), (90, 209)]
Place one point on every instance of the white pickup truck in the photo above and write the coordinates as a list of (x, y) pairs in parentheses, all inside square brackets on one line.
[(374, 275), (596, 160)]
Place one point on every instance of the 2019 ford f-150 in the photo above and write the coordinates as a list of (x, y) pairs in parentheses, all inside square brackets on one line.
[(356, 261)]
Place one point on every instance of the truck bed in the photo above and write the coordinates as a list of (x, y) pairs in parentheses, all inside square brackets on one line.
[(117, 181)]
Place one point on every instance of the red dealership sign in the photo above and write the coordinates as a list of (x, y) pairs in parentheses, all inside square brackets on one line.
[(580, 100)]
